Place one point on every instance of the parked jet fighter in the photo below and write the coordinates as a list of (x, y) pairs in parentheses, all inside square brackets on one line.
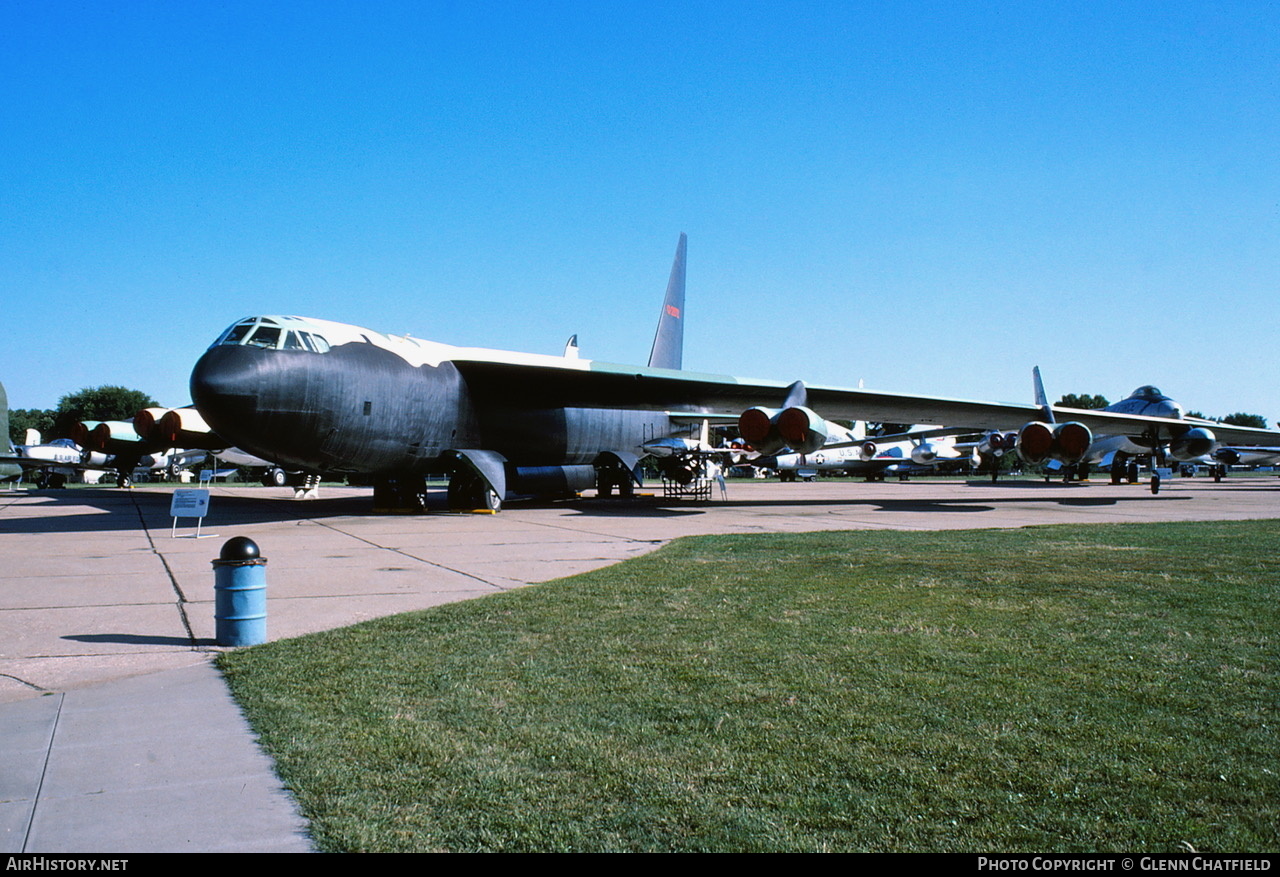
[(1168, 432), (324, 397)]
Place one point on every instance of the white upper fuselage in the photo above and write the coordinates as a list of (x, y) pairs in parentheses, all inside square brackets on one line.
[(308, 333)]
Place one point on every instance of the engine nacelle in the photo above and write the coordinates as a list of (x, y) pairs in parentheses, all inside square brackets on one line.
[(802, 429), (80, 432), (769, 430), (1064, 442), (924, 454), (146, 421), (177, 428), (757, 428), (1230, 456), (994, 444), (108, 436), (867, 451), (1192, 443)]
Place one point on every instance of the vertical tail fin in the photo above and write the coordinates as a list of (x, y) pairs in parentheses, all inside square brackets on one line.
[(668, 341), (1041, 399), (6, 445)]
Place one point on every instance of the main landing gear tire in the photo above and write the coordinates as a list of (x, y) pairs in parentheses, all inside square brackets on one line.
[(1155, 483), (469, 492)]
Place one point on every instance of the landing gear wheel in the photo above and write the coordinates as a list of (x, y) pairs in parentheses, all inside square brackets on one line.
[(469, 492), (1155, 483), (275, 478)]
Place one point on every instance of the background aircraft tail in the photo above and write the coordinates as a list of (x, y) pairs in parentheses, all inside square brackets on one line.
[(1042, 400), (5, 444), (668, 341)]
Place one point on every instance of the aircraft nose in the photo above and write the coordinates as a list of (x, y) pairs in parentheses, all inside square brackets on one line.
[(225, 384)]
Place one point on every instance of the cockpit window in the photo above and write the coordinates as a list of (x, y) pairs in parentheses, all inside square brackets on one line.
[(265, 336), (236, 333)]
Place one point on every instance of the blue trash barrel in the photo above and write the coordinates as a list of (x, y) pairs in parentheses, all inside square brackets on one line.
[(240, 594)]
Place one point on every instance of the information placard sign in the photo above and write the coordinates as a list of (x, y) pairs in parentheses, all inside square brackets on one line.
[(189, 502)]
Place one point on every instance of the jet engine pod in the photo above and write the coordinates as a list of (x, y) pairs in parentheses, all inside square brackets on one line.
[(758, 427), (924, 454), (146, 422), (1065, 442), (1230, 456), (867, 451), (801, 429), (81, 430), (185, 428), (1071, 442), (994, 444), (1035, 442), (1192, 443)]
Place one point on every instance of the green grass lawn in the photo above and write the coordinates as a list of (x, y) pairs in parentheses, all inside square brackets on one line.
[(1063, 688)]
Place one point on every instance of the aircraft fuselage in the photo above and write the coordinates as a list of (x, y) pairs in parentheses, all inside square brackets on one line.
[(360, 402)]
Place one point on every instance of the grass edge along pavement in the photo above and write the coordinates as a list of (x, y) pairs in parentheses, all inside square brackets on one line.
[(1052, 688)]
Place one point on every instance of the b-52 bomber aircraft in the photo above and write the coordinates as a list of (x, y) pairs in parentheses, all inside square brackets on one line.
[(326, 398)]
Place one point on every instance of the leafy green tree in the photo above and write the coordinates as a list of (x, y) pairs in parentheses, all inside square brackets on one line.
[(1072, 400), (99, 403), (23, 419), (1242, 419)]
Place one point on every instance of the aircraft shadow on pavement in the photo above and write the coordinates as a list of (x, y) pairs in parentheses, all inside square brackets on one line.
[(978, 503), (111, 509)]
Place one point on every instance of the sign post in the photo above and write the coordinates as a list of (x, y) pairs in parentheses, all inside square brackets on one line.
[(189, 502)]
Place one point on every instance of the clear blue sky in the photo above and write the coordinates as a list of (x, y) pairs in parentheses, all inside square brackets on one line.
[(927, 197)]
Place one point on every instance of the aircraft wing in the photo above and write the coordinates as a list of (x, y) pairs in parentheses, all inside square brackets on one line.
[(588, 384), (38, 463)]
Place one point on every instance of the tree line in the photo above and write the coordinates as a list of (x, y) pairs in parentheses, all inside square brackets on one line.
[(90, 403)]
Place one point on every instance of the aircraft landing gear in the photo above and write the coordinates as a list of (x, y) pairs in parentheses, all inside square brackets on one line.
[(609, 477), (469, 492), (1155, 482)]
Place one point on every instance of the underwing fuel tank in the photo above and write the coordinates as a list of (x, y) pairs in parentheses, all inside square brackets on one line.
[(769, 430), (924, 454), (1064, 442)]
